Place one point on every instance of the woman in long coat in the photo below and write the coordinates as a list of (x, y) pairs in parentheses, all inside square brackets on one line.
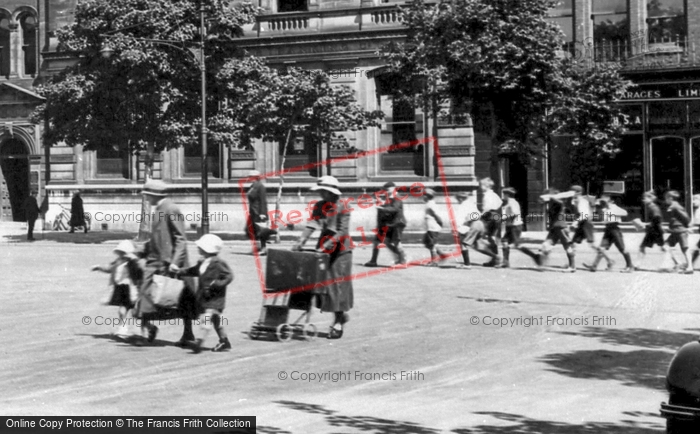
[(335, 240), (77, 213)]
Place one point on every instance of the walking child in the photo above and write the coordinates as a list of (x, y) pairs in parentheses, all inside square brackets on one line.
[(679, 223), (583, 228), (466, 214), (557, 229), (696, 222), (433, 226), (390, 225), (124, 278), (214, 275), (612, 235), (653, 232), (490, 214), (514, 224)]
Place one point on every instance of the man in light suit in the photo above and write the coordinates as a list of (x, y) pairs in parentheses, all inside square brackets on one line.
[(167, 246)]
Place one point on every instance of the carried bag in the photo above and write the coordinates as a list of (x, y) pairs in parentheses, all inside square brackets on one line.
[(165, 291)]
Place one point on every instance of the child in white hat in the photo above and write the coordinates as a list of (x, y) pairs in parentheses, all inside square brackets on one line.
[(123, 280), (214, 275)]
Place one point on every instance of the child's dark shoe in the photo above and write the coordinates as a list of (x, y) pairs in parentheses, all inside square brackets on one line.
[(223, 345)]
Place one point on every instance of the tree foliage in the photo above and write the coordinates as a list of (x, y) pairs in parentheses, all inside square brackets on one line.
[(303, 102), (146, 93), (505, 55)]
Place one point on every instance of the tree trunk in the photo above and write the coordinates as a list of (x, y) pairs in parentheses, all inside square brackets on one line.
[(279, 189), (145, 224), (495, 169)]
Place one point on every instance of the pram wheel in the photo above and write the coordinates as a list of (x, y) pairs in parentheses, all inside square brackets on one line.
[(284, 332), (255, 333), (309, 331)]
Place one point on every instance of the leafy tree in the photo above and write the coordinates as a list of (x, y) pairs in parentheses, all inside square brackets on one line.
[(505, 57), (585, 109), (295, 103), (146, 96)]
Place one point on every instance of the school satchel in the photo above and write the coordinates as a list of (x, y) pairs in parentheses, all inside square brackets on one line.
[(165, 291)]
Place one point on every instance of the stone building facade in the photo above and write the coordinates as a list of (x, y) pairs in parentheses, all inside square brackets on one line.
[(654, 40)]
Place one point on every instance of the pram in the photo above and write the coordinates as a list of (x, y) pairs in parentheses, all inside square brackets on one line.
[(288, 272)]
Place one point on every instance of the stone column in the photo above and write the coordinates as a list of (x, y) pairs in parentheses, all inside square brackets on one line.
[(694, 31), (15, 50)]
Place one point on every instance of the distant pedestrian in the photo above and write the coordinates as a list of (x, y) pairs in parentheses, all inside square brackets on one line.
[(582, 228), (466, 214), (124, 278), (696, 222), (679, 223), (557, 233), (390, 225), (214, 275), (653, 231), (256, 226), (31, 212), (514, 224), (77, 213), (611, 236), (491, 216), (472, 231), (433, 226)]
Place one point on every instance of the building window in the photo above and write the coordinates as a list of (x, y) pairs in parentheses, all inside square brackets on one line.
[(666, 21), (292, 6), (112, 162), (667, 115), (610, 21), (562, 14), (628, 166), (405, 124), (5, 46), (302, 150), (193, 160), (29, 40)]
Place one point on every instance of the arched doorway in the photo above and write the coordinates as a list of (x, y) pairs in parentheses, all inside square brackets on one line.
[(14, 179)]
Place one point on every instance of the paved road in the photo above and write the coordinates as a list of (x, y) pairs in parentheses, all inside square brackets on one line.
[(597, 365)]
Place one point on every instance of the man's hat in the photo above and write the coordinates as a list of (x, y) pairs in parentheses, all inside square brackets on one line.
[(462, 195), (509, 190), (328, 183), (429, 192), (125, 246), (210, 243), (155, 187), (576, 188), (389, 185), (254, 174)]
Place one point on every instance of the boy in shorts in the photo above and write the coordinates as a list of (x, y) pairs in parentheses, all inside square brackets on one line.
[(491, 216), (557, 232), (696, 222), (653, 232), (583, 229), (612, 235), (514, 224), (433, 226), (678, 224)]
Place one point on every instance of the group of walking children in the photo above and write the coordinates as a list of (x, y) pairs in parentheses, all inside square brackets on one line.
[(125, 281), (569, 223)]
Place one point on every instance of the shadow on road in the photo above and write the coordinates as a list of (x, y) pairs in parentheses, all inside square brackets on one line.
[(524, 425), (642, 368), (75, 238), (638, 337), (372, 425), (520, 424)]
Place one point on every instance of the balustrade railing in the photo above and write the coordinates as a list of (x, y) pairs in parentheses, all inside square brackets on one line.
[(638, 52)]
